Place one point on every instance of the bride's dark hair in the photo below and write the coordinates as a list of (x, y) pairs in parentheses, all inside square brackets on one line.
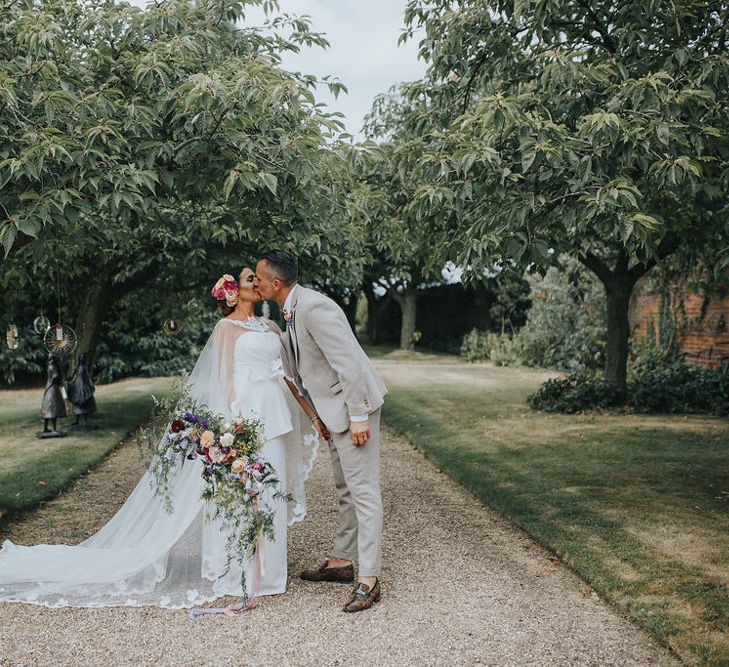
[(225, 309)]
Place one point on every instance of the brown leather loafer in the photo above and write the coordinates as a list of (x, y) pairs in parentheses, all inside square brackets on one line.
[(363, 597), (338, 575)]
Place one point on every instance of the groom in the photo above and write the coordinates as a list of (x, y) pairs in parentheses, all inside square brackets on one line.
[(332, 371)]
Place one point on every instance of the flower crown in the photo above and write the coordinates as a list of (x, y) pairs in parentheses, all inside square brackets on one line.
[(226, 289)]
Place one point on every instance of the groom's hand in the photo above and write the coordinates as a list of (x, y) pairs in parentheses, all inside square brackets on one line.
[(360, 433)]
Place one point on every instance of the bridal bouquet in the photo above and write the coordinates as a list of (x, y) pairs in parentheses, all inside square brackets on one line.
[(237, 477)]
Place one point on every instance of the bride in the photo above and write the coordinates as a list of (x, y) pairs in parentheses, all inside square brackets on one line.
[(147, 555)]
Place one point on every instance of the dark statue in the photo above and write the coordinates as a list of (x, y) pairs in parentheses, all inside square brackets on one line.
[(53, 406), (80, 392)]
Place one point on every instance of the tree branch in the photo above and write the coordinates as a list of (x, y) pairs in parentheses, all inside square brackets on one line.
[(665, 248), (469, 84), (193, 140), (596, 265), (607, 39)]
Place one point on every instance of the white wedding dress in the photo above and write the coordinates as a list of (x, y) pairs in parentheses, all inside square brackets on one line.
[(146, 555)]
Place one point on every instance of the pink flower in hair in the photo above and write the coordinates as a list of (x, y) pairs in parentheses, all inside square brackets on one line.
[(226, 289)]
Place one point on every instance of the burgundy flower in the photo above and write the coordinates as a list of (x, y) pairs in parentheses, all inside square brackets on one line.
[(177, 426)]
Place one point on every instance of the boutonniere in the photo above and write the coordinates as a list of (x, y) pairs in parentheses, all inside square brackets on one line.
[(288, 316)]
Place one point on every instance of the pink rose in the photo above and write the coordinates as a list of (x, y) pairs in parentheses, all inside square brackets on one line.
[(215, 455), (207, 439)]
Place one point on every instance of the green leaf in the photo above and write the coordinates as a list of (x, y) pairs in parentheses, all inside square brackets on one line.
[(269, 181), (230, 183)]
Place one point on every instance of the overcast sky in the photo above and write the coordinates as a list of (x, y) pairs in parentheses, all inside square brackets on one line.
[(364, 53)]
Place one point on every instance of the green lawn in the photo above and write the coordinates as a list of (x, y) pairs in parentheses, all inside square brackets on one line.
[(638, 505), (32, 470)]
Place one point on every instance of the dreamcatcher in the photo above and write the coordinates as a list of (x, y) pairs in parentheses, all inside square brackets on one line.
[(59, 338)]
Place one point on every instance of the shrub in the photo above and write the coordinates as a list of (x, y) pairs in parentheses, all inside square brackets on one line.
[(655, 385), (576, 392), (565, 327), (500, 349)]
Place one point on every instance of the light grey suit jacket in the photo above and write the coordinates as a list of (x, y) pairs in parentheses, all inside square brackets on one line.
[(329, 364)]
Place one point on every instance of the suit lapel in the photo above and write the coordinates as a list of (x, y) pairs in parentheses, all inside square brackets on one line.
[(294, 346)]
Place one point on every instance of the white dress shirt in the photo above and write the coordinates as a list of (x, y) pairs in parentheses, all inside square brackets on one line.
[(292, 332)]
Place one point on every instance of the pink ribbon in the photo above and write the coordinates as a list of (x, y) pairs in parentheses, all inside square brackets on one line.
[(245, 605)]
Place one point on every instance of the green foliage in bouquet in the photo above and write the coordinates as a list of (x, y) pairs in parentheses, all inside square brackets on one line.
[(152, 434)]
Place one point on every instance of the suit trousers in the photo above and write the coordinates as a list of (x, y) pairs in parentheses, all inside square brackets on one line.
[(357, 479)]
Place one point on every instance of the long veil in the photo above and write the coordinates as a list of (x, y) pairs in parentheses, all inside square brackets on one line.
[(147, 555)]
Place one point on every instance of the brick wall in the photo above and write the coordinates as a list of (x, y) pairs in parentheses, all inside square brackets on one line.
[(701, 322)]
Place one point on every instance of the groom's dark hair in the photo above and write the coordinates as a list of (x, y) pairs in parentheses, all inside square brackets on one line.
[(285, 264)]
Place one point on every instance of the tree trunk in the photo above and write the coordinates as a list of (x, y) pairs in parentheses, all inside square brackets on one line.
[(618, 292), (618, 282), (373, 311), (408, 302), (349, 308), (96, 303)]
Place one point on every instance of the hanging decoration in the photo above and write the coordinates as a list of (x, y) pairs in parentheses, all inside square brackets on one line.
[(11, 333), (172, 327), (11, 336), (41, 324), (60, 338)]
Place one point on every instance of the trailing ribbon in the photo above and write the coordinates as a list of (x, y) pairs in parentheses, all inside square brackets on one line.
[(247, 603)]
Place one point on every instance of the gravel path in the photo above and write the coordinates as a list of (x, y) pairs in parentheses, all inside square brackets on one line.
[(461, 586)]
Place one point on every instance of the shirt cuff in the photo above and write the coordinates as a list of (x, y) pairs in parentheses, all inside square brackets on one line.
[(359, 418)]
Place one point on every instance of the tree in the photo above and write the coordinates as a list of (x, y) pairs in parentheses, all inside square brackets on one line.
[(589, 127), (407, 250), (149, 149)]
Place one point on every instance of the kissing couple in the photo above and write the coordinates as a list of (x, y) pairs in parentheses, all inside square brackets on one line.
[(309, 383)]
